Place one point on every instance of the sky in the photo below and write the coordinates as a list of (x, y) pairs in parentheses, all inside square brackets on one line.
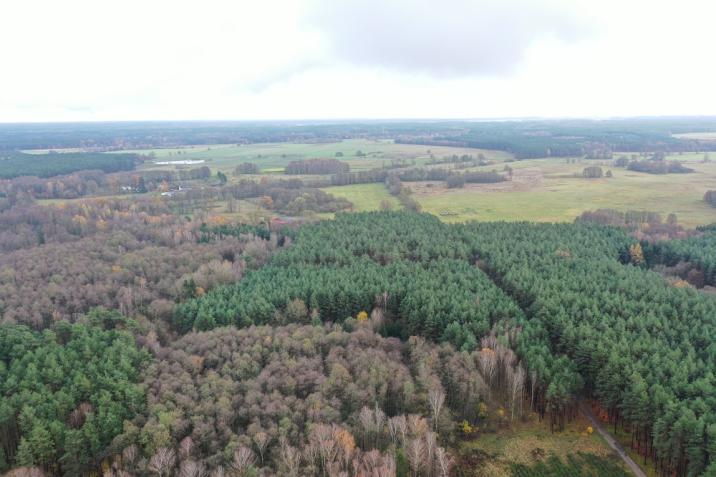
[(105, 60)]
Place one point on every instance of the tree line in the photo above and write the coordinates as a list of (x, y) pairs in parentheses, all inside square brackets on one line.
[(317, 166), (16, 164)]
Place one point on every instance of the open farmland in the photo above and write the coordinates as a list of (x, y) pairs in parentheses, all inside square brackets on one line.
[(552, 190), (272, 158)]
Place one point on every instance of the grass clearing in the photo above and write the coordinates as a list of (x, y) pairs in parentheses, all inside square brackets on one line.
[(364, 197), (546, 190), (491, 454)]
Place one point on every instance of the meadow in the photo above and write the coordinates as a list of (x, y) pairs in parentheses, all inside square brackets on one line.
[(552, 190), (365, 197)]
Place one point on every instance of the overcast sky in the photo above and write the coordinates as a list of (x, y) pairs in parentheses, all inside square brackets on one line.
[(297, 59)]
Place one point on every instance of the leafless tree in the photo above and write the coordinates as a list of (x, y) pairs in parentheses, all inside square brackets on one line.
[(367, 422), (378, 423), (516, 380), (290, 458), (163, 461), (261, 440), (436, 398), (129, 457), (444, 461), (185, 447), (488, 365), (218, 472), (392, 430), (430, 447), (323, 439), (417, 425), (415, 453), (244, 459), (192, 468)]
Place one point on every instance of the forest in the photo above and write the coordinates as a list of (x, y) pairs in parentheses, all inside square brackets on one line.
[(16, 164), (540, 315)]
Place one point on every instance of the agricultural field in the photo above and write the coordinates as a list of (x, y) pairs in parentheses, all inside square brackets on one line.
[(272, 158), (552, 190)]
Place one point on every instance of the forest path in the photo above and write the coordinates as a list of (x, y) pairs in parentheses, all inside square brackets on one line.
[(612, 442)]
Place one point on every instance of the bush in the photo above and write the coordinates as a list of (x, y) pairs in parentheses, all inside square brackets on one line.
[(592, 172), (247, 168), (455, 181)]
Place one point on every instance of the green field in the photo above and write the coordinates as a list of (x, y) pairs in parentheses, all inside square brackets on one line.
[(364, 197), (547, 190)]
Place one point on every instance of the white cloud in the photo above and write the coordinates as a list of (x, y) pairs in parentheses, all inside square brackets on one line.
[(444, 38)]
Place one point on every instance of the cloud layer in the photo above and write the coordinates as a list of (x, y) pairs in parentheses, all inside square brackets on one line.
[(444, 38)]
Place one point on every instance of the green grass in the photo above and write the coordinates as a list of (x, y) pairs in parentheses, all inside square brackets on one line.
[(578, 465), (530, 443), (553, 194), (364, 197)]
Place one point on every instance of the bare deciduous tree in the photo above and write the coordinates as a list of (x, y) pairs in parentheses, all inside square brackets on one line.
[(261, 440), (218, 472), (185, 447), (516, 381), (129, 457), (192, 468), (244, 459), (430, 447), (290, 458), (444, 462), (163, 461), (436, 398), (415, 452)]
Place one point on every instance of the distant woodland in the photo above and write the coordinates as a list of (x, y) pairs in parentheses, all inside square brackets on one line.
[(525, 139)]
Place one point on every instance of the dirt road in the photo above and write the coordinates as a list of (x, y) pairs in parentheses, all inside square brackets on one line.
[(613, 443)]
